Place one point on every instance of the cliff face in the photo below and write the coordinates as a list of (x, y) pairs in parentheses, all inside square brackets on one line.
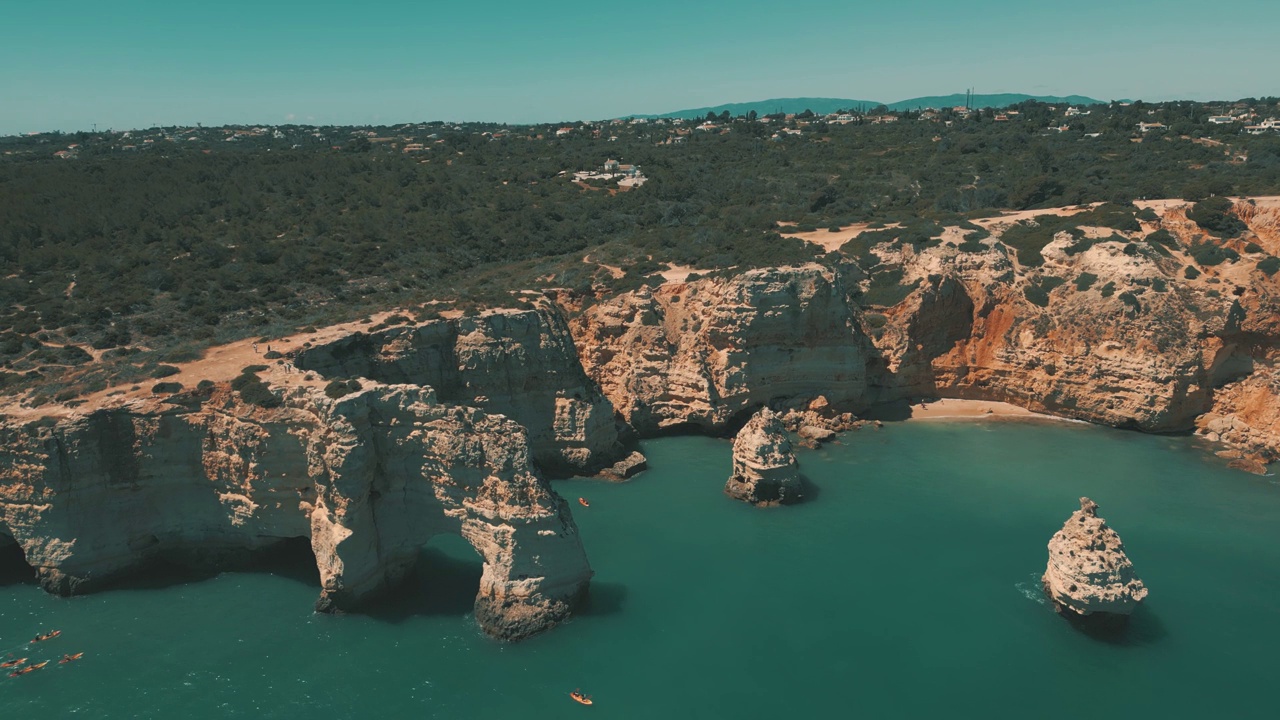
[(699, 354), (1137, 349), (368, 479), (518, 363)]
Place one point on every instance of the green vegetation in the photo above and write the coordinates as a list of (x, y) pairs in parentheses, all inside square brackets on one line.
[(1215, 215), (150, 251), (1269, 266), (339, 388), (1207, 254), (1085, 281), (1037, 293), (1190, 272), (254, 391)]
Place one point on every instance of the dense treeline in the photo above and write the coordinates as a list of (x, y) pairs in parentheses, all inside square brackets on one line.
[(191, 242)]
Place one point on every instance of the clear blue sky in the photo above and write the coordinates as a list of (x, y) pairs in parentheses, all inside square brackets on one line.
[(67, 64)]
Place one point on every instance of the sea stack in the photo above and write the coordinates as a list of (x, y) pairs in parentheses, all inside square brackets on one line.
[(1089, 574), (764, 468)]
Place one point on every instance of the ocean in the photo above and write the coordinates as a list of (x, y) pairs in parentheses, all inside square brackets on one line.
[(906, 586)]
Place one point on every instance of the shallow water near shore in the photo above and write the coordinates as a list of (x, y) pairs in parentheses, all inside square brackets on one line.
[(908, 586)]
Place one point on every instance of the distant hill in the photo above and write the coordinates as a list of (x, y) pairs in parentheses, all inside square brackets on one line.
[(989, 101), (823, 106), (766, 107)]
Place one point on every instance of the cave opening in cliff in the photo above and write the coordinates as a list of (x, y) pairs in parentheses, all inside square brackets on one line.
[(444, 581), (14, 568)]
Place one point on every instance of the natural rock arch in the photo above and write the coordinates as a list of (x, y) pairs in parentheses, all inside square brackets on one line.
[(389, 486)]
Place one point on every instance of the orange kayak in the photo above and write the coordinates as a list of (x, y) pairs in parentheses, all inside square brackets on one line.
[(29, 668), (13, 663), (579, 697), (68, 658), (50, 636), (583, 502)]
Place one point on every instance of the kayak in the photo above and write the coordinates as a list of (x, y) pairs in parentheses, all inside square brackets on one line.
[(583, 502), (579, 697), (13, 663), (68, 658), (29, 668), (50, 636)]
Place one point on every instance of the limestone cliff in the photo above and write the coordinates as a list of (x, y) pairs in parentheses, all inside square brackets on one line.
[(368, 478), (518, 363), (1088, 572), (1110, 328), (698, 354), (764, 467)]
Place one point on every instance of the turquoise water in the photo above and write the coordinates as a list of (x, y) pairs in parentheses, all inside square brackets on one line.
[(908, 587)]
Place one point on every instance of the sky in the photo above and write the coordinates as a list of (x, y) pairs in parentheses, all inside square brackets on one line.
[(72, 65)]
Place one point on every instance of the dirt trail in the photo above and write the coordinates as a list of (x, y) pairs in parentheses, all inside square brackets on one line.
[(219, 363)]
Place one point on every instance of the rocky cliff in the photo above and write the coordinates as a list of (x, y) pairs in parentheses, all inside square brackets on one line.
[(1088, 572), (518, 363), (701, 354), (765, 471), (368, 478)]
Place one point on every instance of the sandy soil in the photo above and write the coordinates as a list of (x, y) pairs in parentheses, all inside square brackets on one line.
[(826, 239), (220, 363), (677, 273), (955, 409), (1009, 218)]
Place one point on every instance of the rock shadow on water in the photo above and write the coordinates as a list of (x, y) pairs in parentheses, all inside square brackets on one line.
[(1142, 628), (604, 599), (291, 558), (809, 490)]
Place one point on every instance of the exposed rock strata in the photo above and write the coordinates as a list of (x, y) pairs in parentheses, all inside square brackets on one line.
[(369, 479), (518, 363), (764, 467), (1088, 572), (697, 355)]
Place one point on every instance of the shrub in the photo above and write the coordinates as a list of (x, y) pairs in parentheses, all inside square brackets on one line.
[(1209, 254), (1085, 281), (1215, 215), (340, 388), (204, 385), (1253, 248), (1148, 214), (886, 289), (251, 369), (1190, 272), (971, 245), (1269, 266), (1159, 285), (1108, 290), (255, 392), (163, 371), (272, 355), (1131, 301), (166, 388)]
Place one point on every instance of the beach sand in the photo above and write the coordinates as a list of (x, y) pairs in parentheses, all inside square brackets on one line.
[(956, 409)]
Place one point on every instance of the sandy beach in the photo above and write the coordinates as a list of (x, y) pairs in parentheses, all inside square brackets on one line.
[(956, 409)]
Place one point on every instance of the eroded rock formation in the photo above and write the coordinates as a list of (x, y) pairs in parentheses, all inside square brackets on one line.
[(369, 478), (1088, 572), (695, 355), (764, 467), (518, 363)]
